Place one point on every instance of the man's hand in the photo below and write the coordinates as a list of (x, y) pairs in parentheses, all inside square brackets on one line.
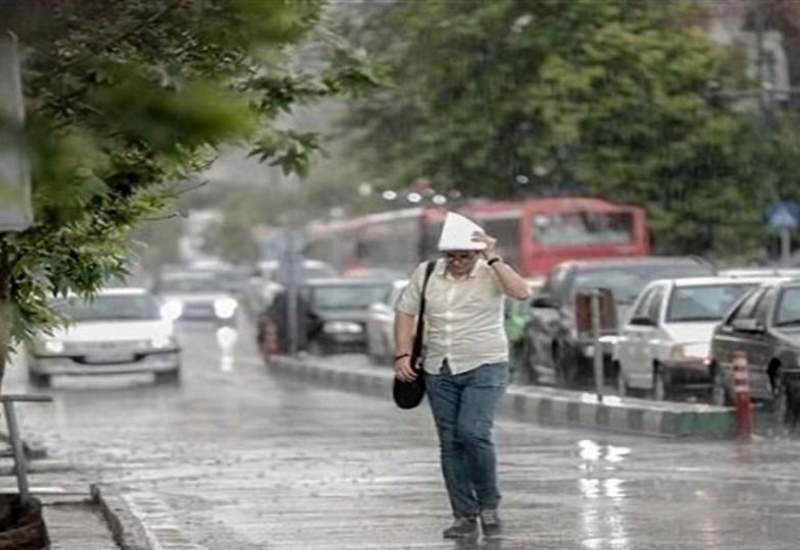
[(403, 370), (491, 244)]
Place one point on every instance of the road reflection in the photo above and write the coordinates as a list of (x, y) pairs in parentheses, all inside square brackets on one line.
[(602, 523), (226, 340)]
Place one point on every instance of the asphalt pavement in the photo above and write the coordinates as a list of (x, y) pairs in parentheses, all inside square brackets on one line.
[(241, 457)]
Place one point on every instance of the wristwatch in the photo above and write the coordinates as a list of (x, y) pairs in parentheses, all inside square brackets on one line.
[(495, 259)]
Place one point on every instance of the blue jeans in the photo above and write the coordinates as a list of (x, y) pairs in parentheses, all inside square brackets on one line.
[(463, 407)]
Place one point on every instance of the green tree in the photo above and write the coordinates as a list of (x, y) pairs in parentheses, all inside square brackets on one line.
[(127, 97), (516, 98)]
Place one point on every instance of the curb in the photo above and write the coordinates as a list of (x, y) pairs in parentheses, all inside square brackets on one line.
[(127, 530), (546, 405), (33, 448)]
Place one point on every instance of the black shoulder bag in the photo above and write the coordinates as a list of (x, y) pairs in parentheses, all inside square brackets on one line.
[(408, 395)]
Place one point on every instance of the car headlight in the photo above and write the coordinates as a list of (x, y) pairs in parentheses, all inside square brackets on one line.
[(172, 310), (163, 341), (339, 327), (688, 351), (224, 308), (677, 352), (54, 346)]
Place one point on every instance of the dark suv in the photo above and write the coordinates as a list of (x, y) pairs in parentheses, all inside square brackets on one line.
[(554, 352), (765, 325)]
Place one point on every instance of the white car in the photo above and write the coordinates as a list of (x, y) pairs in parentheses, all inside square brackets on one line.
[(196, 296), (380, 325), (664, 344), (120, 331)]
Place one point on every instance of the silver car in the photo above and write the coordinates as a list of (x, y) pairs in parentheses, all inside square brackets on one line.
[(380, 325), (120, 331)]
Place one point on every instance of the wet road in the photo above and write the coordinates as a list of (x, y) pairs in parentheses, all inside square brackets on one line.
[(238, 458)]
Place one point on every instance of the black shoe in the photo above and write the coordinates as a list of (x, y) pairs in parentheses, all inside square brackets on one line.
[(462, 528), (490, 523)]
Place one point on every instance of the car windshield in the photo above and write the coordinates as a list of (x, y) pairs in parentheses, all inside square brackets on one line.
[(788, 308), (347, 296), (109, 307), (626, 282), (189, 284), (703, 303)]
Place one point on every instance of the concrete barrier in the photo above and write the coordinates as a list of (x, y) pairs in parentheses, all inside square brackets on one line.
[(542, 404)]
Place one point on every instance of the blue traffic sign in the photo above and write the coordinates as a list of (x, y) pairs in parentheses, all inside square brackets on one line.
[(783, 215)]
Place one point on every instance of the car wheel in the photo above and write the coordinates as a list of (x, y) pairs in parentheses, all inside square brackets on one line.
[(39, 380), (387, 358), (622, 385), (566, 366), (526, 373), (661, 385), (317, 348), (168, 377), (719, 393), (780, 399)]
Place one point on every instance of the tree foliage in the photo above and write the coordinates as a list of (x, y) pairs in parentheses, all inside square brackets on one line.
[(613, 99), (126, 100)]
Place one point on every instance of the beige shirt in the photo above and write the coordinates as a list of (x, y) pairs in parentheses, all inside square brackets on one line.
[(463, 317)]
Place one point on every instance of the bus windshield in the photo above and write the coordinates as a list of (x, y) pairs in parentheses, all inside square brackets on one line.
[(583, 228)]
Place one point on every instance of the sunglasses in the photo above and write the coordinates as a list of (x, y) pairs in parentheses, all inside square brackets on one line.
[(459, 255)]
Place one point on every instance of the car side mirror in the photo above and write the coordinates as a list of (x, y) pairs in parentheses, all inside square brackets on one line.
[(544, 301), (642, 321), (747, 325)]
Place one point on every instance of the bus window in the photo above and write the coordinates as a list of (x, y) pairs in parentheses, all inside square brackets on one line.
[(392, 243), (506, 231), (583, 228)]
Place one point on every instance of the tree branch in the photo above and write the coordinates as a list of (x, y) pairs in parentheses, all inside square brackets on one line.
[(111, 41)]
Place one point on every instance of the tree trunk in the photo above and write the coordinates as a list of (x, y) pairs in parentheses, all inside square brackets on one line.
[(5, 310)]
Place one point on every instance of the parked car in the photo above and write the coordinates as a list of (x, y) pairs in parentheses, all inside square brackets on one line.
[(268, 279), (765, 325), (760, 272), (342, 306), (121, 330), (554, 351), (273, 334), (196, 296), (663, 346), (380, 325)]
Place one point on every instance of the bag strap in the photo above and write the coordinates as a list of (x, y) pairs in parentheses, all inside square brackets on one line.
[(417, 345)]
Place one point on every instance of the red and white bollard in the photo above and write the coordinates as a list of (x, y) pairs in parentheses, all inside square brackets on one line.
[(741, 387)]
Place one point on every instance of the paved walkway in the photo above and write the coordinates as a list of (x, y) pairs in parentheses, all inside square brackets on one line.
[(75, 523)]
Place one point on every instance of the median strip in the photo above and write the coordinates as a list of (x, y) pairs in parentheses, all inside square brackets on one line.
[(543, 404)]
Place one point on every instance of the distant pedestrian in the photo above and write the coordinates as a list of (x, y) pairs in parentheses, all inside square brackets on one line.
[(465, 364)]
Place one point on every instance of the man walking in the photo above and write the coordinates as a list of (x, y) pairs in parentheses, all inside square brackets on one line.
[(465, 364)]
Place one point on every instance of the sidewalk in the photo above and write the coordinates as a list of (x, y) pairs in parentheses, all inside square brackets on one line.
[(96, 518), (75, 522)]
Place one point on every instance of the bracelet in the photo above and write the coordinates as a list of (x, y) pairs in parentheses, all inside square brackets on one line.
[(398, 357), (495, 259)]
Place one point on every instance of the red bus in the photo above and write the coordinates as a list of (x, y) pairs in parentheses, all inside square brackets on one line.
[(533, 235)]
